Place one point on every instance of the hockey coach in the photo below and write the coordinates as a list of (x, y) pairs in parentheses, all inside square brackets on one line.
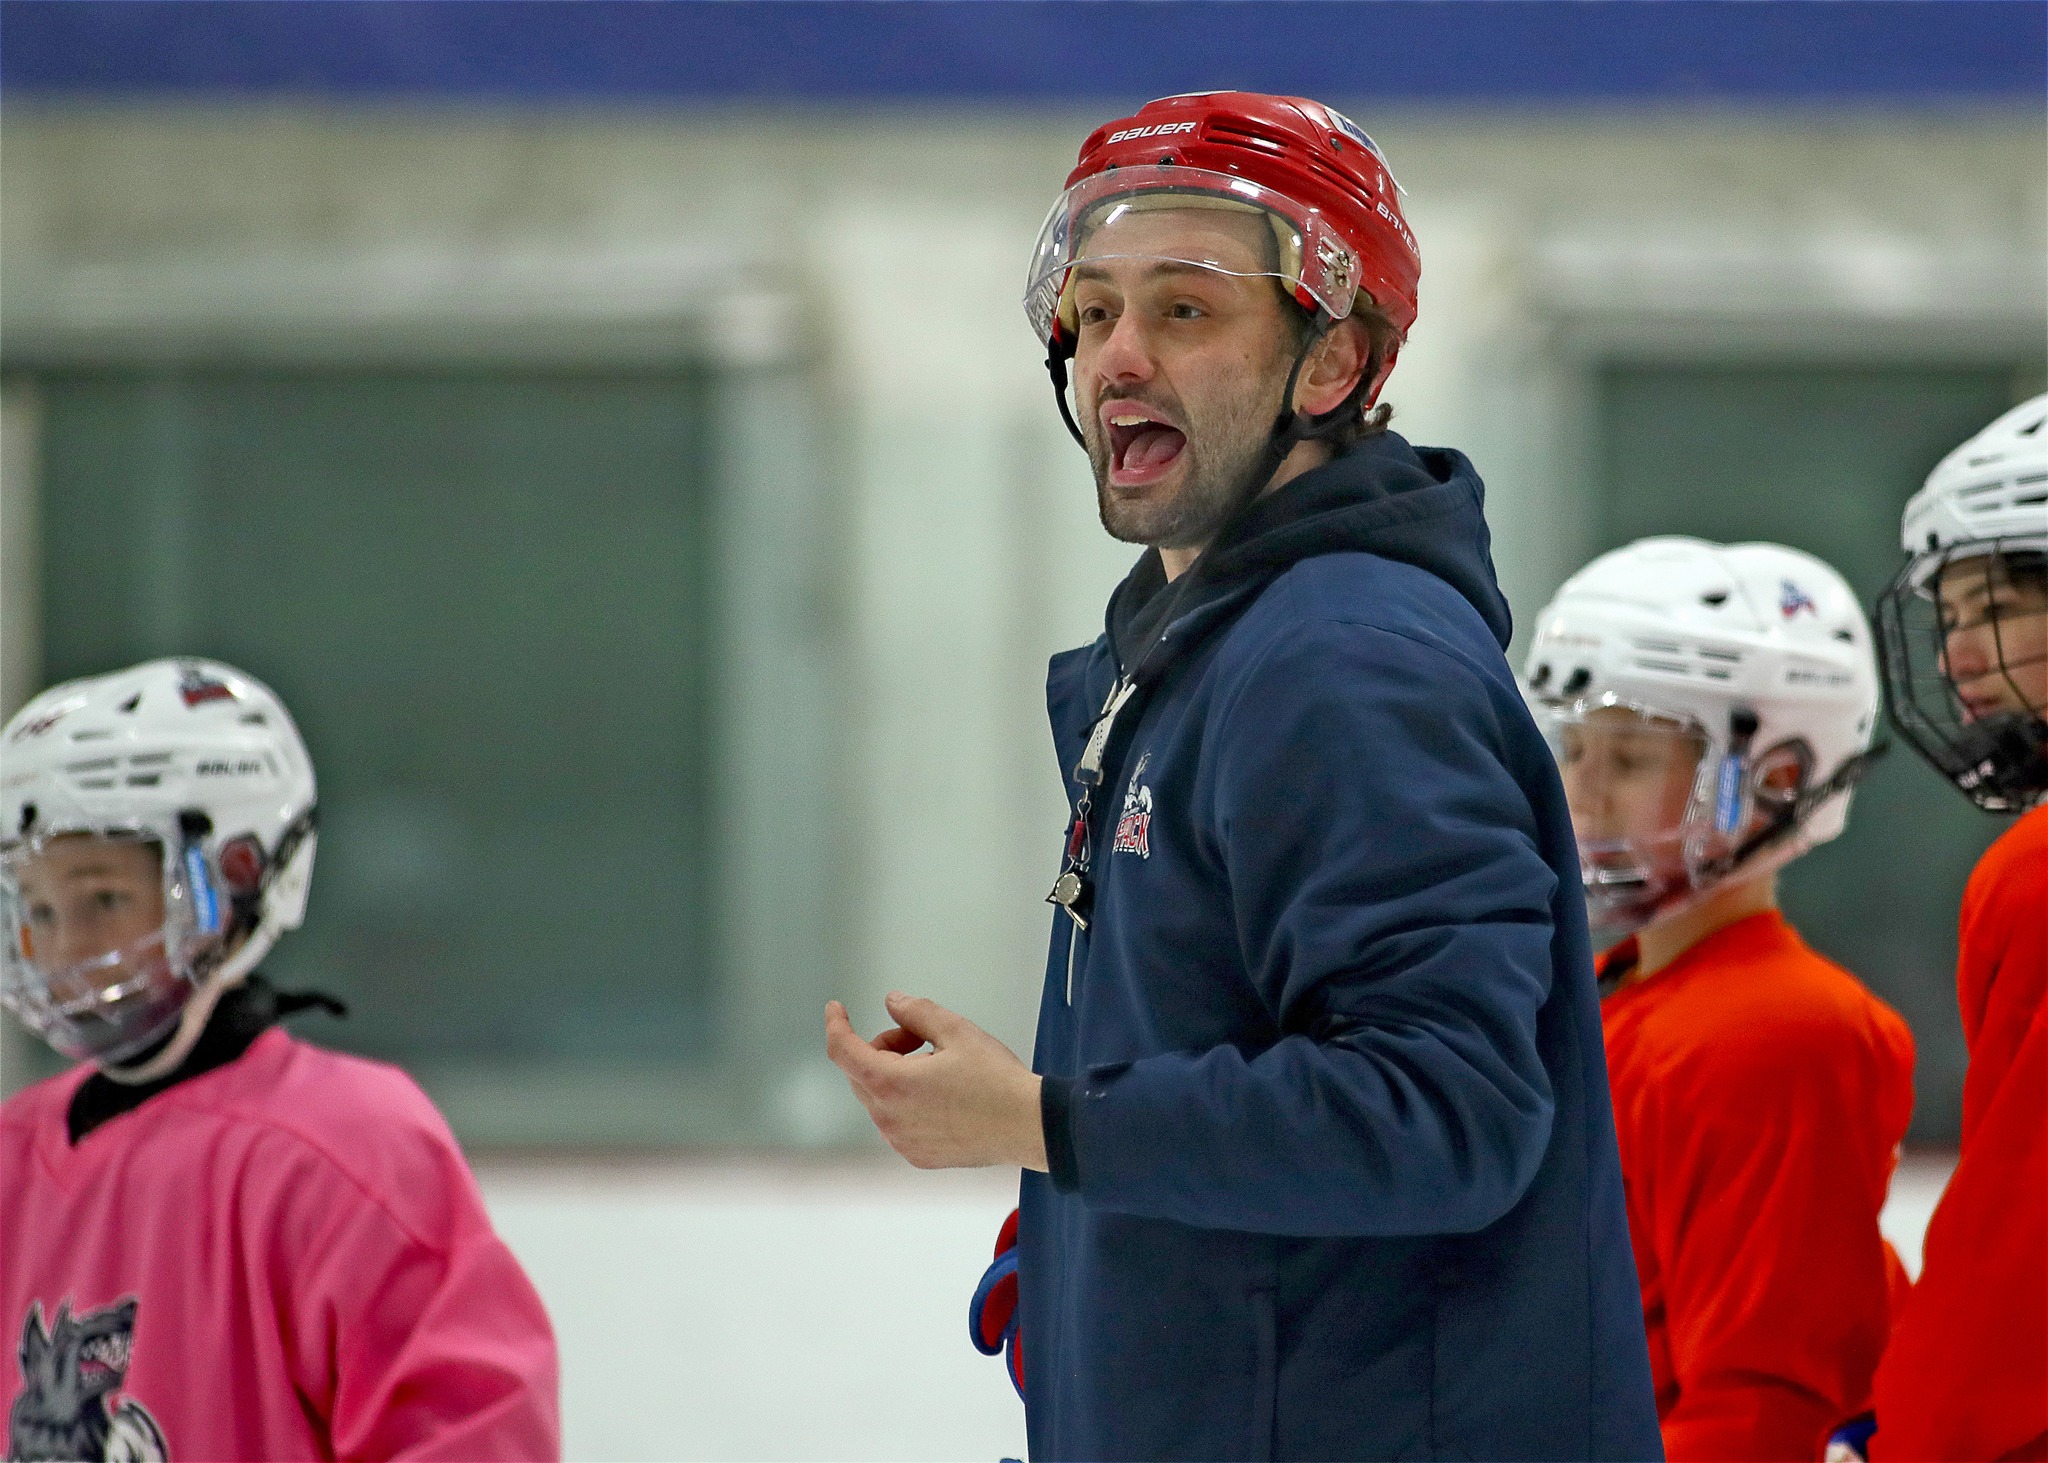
[(1319, 1157)]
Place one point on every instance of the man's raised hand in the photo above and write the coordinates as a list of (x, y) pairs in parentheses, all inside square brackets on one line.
[(966, 1103)]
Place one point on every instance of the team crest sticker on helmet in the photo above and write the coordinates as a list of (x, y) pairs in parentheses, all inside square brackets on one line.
[(195, 685)]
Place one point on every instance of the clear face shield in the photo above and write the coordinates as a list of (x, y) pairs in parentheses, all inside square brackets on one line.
[(107, 937), (1172, 215), (1658, 807)]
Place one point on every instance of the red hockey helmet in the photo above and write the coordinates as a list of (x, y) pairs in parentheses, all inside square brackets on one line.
[(1325, 186)]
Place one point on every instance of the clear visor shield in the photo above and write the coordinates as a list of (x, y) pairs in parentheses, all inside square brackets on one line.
[(105, 939), (1652, 801), (1188, 216)]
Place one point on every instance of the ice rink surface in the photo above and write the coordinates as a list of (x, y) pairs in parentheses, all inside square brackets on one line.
[(798, 1309)]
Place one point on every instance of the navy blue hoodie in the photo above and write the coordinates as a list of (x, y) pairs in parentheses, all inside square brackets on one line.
[(1333, 1164)]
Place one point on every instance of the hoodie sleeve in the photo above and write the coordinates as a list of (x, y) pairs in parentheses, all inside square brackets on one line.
[(1393, 910)]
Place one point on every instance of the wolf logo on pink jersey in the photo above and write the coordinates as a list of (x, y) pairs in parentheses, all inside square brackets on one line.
[(69, 1370)]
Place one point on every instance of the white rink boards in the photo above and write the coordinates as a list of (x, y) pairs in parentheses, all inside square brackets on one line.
[(797, 1309)]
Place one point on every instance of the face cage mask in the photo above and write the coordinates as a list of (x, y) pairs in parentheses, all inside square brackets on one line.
[(108, 1006), (1998, 761), (1705, 795)]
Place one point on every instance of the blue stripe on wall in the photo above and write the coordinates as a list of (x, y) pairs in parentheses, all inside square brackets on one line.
[(1033, 50)]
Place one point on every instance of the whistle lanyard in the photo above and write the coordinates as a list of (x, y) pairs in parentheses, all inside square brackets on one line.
[(1074, 888), (1070, 891)]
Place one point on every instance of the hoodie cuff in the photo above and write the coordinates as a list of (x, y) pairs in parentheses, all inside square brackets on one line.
[(1055, 1111)]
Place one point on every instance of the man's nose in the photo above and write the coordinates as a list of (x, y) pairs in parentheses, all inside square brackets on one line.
[(1126, 355)]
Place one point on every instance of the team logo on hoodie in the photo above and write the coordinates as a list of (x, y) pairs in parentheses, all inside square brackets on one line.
[(70, 1372), (1134, 828)]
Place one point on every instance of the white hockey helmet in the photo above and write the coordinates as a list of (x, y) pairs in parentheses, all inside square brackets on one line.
[(1984, 507), (203, 763), (1752, 655)]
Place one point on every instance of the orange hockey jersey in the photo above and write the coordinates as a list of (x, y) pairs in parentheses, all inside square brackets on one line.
[(1760, 1094), (1966, 1376)]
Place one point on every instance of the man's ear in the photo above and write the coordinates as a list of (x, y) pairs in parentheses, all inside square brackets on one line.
[(1334, 367)]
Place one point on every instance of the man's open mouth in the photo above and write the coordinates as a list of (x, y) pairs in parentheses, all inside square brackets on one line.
[(1142, 446)]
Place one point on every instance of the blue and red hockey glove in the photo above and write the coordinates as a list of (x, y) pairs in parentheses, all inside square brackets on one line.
[(992, 1314)]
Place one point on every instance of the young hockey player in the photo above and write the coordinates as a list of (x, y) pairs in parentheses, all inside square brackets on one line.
[(221, 1242), (1964, 631), (1712, 708)]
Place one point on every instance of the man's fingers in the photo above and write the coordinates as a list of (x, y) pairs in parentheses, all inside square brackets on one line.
[(897, 1040), (848, 1052), (928, 1019)]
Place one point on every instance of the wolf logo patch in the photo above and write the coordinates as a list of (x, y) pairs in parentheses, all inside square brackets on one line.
[(70, 1372), (1134, 827)]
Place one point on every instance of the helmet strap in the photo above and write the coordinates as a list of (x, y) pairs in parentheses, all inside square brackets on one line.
[(1790, 817), (283, 879), (1057, 353)]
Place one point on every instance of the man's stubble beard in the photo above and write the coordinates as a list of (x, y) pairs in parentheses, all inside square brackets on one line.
[(1216, 484)]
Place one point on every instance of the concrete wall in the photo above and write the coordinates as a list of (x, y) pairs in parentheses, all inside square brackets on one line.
[(896, 473)]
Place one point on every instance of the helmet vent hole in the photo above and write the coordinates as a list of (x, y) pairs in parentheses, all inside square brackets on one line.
[(1577, 681), (132, 702), (1714, 598), (1846, 636), (1542, 676)]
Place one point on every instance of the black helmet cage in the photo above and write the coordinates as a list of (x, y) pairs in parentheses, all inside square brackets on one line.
[(1999, 762)]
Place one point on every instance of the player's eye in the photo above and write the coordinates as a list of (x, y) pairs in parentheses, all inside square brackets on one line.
[(1185, 310), (1094, 314), (108, 901)]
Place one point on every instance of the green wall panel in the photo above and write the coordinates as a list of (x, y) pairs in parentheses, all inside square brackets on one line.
[(485, 598)]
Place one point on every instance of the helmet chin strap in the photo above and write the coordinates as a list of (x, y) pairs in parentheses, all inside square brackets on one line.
[(283, 905), (1774, 845), (224, 977)]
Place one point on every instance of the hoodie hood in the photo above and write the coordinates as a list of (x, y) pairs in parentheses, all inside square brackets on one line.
[(1419, 506)]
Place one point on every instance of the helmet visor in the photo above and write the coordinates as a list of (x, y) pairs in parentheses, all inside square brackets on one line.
[(1643, 787), (1172, 215), (104, 936)]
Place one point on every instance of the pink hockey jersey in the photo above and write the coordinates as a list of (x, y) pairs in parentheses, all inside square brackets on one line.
[(284, 1257)]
